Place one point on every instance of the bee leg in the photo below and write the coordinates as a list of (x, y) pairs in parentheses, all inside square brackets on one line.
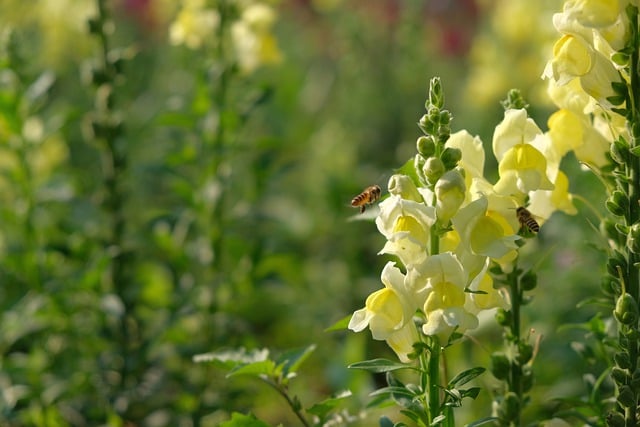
[(362, 208)]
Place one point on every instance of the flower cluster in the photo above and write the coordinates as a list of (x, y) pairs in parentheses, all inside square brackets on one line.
[(583, 74), (250, 30), (446, 223)]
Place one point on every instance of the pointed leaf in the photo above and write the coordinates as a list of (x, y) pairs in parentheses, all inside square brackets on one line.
[(470, 392), (409, 170), (257, 369), (340, 324), (322, 409), (464, 377), (292, 359), (380, 365), (231, 358), (241, 420), (395, 391)]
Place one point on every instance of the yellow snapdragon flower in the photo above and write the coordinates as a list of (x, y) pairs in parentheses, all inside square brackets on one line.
[(388, 313), (406, 225)]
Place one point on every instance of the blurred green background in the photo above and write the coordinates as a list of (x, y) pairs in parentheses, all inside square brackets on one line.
[(249, 242)]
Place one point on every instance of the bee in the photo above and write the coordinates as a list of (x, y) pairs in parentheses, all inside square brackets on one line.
[(526, 220), (370, 195)]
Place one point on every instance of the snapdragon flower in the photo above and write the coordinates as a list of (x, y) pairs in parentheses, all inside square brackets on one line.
[(388, 313), (445, 278), (405, 224), (482, 232)]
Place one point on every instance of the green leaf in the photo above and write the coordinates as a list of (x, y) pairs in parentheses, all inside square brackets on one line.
[(483, 421), (339, 325), (241, 420), (471, 393), (464, 377), (231, 358), (395, 391), (256, 369), (380, 365), (292, 359), (322, 409)]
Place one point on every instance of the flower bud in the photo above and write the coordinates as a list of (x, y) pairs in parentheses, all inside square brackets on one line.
[(418, 165), (426, 146), (622, 360), (619, 151), (500, 366), (450, 157), (433, 169), (509, 407), (529, 281), (615, 419), (617, 203), (626, 397), (626, 311), (503, 317), (450, 192), (620, 376), (526, 378), (403, 186), (525, 352), (426, 125), (633, 238)]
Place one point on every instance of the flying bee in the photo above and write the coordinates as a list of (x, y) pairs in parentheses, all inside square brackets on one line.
[(526, 220), (370, 195)]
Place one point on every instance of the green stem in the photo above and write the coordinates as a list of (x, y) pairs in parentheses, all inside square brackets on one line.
[(433, 378)]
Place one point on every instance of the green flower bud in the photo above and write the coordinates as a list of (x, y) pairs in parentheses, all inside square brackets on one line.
[(509, 407), (619, 151), (427, 125), (403, 186), (626, 311), (445, 117), (433, 169), (617, 203), (503, 317), (418, 165), (620, 376), (525, 352), (426, 146), (615, 419), (450, 157), (529, 281), (622, 360), (436, 95), (626, 397), (500, 366), (633, 238)]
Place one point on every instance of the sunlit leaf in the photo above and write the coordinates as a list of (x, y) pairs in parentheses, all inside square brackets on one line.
[(241, 420), (322, 409), (292, 359), (263, 368), (464, 377), (380, 365), (340, 324)]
